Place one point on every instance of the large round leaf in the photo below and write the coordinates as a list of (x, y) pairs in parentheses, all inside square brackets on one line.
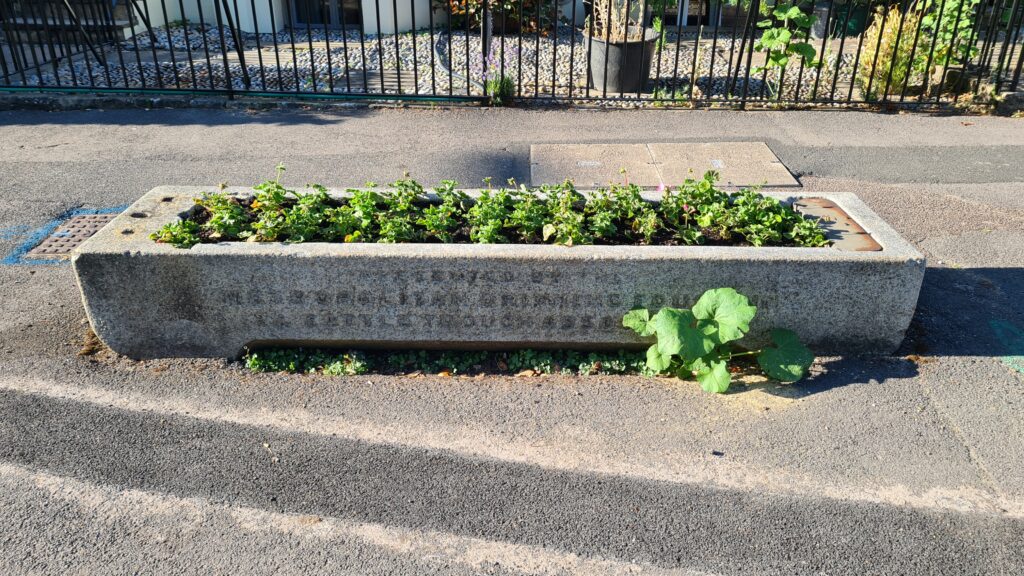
[(639, 320), (713, 376), (678, 334), (656, 360), (726, 311), (788, 359)]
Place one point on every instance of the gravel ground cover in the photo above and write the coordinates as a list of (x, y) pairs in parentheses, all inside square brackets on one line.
[(551, 66)]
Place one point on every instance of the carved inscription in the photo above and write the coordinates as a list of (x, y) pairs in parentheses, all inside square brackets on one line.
[(420, 303)]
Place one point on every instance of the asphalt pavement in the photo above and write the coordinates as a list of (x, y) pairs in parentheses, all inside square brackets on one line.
[(904, 464)]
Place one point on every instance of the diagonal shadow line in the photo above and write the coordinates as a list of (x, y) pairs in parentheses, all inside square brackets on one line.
[(671, 525)]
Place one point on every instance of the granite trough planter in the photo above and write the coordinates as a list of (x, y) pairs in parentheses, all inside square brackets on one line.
[(148, 300)]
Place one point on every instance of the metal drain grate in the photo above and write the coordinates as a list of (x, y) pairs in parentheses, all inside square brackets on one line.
[(69, 235)]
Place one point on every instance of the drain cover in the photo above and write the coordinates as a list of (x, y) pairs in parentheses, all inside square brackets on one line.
[(69, 235)]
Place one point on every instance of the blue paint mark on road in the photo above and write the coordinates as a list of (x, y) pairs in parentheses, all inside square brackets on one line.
[(34, 237), (1012, 339), (13, 232)]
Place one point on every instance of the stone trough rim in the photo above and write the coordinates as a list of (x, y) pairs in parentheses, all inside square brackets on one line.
[(154, 214)]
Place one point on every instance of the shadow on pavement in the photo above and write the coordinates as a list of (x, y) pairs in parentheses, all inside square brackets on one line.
[(629, 518), (180, 117), (969, 312)]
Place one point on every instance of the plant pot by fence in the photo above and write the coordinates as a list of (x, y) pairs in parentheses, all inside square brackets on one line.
[(628, 63), (148, 300), (856, 22)]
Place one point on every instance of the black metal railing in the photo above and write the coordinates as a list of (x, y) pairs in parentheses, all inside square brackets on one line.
[(626, 52)]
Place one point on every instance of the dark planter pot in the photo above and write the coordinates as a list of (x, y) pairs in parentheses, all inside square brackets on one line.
[(855, 23), (628, 63)]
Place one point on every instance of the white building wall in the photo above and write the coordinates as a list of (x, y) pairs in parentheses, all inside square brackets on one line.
[(406, 10), (246, 18), (155, 14)]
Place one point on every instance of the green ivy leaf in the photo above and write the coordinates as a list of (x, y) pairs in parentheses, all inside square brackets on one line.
[(786, 361), (639, 320), (713, 376), (656, 360), (677, 334), (728, 310)]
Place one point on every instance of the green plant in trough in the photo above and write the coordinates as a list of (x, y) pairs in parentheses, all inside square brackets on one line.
[(697, 212), (700, 342)]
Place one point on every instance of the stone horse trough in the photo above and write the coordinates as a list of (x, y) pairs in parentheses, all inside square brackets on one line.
[(148, 300)]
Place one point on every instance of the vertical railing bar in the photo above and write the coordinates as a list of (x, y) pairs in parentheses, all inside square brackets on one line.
[(1015, 82), (108, 13), (3, 58), (415, 55), (839, 58), (325, 14), (945, 67), (755, 7), (362, 52), (153, 45), (23, 46), (259, 43), (433, 50), (21, 66), (743, 47), (469, 80), (732, 37), (54, 59), (292, 19), (380, 48), (643, 48), (1015, 39), (451, 50), (659, 47), (716, 18), (344, 48), (170, 43), (230, 85), (554, 48), (607, 41), (821, 59), (313, 72), (519, 60), (73, 16), (988, 46), (821, 52), (572, 47), (65, 40), (536, 53), (856, 63), (206, 44), (680, 24), (1007, 46), (590, 48), (910, 62), (144, 15), (622, 83), (277, 50), (696, 48), (931, 50), (398, 48), (878, 46), (97, 16), (896, 48), (234, 25)]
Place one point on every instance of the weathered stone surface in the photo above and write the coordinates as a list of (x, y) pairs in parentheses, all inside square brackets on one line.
[(149, 300), (650, 165)]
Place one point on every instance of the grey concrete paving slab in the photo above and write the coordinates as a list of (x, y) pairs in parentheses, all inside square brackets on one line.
[(592, 165), (738, 163)]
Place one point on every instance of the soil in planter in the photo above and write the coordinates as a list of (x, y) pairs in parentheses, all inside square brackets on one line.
[(695, 213)]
